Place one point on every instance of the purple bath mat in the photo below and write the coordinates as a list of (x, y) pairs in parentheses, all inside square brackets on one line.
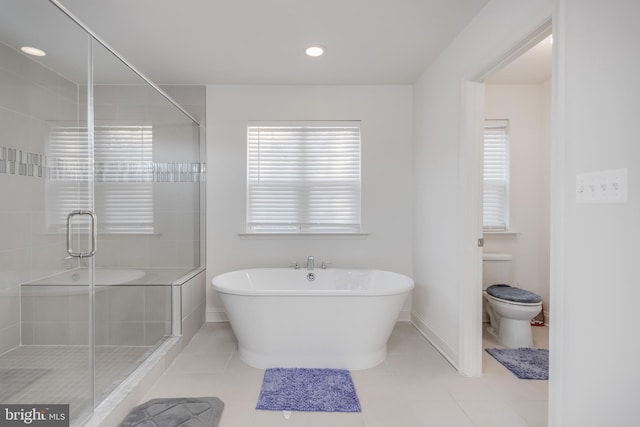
[(525, 363), (308, 390)]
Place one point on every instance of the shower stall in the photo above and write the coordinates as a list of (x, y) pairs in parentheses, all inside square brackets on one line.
[(101, 180)]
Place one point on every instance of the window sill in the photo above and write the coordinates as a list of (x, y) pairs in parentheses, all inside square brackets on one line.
[(358, 235), (501, 233), (105, 234)]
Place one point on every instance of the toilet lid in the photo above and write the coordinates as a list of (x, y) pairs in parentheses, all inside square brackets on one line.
[(509, 293)]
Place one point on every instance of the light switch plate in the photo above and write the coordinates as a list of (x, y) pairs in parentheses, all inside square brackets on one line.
[(608, 186)]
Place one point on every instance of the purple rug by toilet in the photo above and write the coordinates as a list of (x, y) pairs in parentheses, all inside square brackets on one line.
[(308, 390), (525, 363)]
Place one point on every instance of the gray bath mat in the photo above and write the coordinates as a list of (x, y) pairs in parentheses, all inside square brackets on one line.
[(183, 412), (14, 380), (525, 363)]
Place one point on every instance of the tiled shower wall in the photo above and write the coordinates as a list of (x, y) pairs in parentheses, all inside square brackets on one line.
[(125, 315), (32, 98)]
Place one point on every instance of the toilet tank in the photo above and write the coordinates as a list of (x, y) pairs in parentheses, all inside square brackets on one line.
[(496, 268)]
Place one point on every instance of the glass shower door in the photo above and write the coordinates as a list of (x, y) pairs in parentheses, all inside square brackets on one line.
[(70, 193), (46, 288), (70, 218), (133, 303)]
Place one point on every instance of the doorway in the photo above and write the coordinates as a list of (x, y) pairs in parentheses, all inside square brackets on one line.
[(517, 171), (474, 95)]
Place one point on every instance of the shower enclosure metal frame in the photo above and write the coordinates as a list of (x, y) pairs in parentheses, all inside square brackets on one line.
[(124, 61)]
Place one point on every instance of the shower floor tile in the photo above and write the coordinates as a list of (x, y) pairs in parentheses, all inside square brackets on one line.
[(60, 374)]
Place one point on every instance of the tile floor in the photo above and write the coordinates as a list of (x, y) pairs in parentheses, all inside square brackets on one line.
[(415, 386)]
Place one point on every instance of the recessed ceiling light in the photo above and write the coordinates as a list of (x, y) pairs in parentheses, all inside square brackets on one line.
[(315, 51), (33, 51)]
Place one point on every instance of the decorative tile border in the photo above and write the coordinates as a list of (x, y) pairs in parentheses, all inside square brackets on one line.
[(19, 162), (23, 163), (179, 172)]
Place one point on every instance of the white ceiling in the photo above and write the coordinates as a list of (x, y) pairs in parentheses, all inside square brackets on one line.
[(263, 41), (255, 41)]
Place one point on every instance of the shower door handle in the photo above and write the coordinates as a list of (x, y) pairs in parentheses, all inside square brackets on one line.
[(94, 234)]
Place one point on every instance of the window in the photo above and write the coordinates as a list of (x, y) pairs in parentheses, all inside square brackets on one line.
[(496, 176), (123, 176), (303, 177)]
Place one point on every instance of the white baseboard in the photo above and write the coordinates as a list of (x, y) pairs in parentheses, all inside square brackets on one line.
[(442, 346), (405, 316), (216, 316)]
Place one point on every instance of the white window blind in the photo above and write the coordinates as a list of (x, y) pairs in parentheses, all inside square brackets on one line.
[(496, 176), (122, 170), (303, 177)]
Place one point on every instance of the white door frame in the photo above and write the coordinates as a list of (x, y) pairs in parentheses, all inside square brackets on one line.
[(470, 221), (471, 154)]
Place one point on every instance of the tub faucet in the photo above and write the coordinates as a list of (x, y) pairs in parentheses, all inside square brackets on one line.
[(310, 263)]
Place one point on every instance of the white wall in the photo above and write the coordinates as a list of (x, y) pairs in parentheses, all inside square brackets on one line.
[(385, 112), (596, 273), (438, 186), (528, 109)]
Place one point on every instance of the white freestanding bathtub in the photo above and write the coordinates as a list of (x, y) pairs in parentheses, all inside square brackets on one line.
[(333, 318)]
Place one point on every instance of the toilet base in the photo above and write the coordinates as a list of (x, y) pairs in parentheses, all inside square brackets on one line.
[(491, 331), (511, 323), (514, 333)]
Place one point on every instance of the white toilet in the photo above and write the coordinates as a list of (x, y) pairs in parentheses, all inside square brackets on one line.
[(509, 309)]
